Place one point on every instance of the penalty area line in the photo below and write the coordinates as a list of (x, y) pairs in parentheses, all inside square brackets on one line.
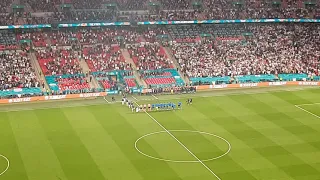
[(192, 154)]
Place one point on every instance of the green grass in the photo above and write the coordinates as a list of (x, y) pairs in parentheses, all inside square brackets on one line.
[(271, 139)]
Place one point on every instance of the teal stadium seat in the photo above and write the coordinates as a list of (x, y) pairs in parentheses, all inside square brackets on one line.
[(209, 80), (23, 91), (291, 77), (316, 78), (256, 78)]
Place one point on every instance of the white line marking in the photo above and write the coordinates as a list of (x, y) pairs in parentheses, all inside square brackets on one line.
[(134, 98), (307, 111), (8, 164), (182, 161), (307, 104), (171, 98), (154, 96), (105, 99), (180, 143)]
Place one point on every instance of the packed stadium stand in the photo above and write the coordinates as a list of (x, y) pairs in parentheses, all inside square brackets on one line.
[(67, 36), (253, 50), (97, 11), (62, 70), (17, 75)]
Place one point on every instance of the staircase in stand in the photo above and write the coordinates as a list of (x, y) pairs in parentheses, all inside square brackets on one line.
[(83, 64), (35, 65), (136, 74)]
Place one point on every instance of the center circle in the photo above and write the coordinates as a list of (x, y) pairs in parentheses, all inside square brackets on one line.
[(182, 161), (8, 164)]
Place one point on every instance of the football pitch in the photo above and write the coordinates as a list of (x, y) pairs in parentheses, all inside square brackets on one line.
[(228, 135)]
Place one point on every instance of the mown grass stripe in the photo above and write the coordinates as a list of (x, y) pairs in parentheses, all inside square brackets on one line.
[(37, 154), (9, 148), (225, 166), (72, 154), (108, 156), (280, 136), (253, 160), (124, 135)]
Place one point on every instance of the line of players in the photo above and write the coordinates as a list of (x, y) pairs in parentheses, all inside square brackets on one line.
[(153, 107)]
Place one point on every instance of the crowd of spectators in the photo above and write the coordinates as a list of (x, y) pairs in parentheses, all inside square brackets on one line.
[(107, 36), (236, 13), (85, 16), (58, 62), (38, 38), (172, 90), (273, 49), (151, 34), (16, 71), (102, 58), (7, 19), (63, 38), (4, 4), (149, 56), (42, 5), (176, 15), (85, 4), (38, 20), (132, 5), (176, 4), (96, 11), (159, 72)]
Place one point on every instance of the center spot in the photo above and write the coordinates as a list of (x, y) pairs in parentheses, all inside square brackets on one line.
[(162, 146)]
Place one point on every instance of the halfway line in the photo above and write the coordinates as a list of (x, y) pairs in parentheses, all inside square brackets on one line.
[(307, 111), (180, 143)]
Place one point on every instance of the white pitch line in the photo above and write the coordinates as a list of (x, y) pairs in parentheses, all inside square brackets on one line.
[(134, 98), (181, 161), (8, 164), (310, 104), (154, 96), (180, 143), (307, 111), (106, 99)]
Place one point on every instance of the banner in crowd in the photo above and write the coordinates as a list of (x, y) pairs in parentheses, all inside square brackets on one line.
[(94, 24), (40, 26), (230, 21), (26, 26)]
